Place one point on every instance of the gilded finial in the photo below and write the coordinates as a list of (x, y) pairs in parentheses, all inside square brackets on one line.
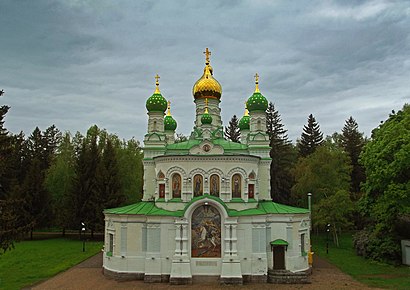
[(257, 83), (169, 108), (206, 106), (207, 54), (157, 84)]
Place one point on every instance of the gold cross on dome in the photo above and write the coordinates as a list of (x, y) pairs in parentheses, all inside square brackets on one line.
[(256, 78), (169, 108), (157, 79), (206, 102), (207, 54)]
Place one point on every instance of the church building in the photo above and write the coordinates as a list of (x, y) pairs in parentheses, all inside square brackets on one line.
[(206, 208)]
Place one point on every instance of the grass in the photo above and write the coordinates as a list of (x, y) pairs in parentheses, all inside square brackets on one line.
[(34, 261), (371, 273)]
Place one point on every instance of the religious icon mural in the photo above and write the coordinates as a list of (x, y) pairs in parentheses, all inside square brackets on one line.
[(214, 185), (206, 232), (176, 185), (236, 186), (198, 185)]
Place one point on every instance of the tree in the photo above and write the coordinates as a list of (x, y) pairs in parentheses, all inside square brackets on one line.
[(108, 187), (352, 142), (131, 170), (282, 155), (5, 151), (311, 137), (323, 173), (386, 159), (12, 227), (232, 132), (330, 211), (59, 182)]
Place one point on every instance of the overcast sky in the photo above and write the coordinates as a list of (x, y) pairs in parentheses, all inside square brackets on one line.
[(78, 63)]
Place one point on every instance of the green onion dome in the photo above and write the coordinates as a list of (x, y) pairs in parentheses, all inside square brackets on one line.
[(156, 103), (257, 102), (244, 121), (169, 123), (206, 119)]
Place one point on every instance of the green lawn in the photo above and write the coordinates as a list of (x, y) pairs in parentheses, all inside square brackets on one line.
[(33, 261), (368, 272)]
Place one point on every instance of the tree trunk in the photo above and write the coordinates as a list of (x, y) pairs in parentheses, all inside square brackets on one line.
[(31, 234), (63, 232), (335, 237)]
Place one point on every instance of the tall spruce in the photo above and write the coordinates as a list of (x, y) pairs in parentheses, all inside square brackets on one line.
[(12, 225), (311, 137), (352, 142), (232, 132), (282, 155), (108, 186), (5, 151)]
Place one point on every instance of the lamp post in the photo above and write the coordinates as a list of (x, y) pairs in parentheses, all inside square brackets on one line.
[(83, 233), (327, 238)]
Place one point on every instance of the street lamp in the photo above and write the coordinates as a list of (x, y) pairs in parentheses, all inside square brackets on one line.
[(327, 238), (83, 232)]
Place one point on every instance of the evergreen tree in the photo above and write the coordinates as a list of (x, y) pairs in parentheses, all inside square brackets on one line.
[(352, 142), (5, 151), (282, 155), (232, 132), (311, 137), (108, 183), (59, 182)]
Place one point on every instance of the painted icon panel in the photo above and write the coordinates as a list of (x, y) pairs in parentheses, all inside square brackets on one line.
[(206, 232)]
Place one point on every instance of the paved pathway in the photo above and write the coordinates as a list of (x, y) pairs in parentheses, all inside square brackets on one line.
[(88, 275)]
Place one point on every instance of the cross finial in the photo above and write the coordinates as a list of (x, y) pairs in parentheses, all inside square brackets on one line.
[(206, 106), (256, 83), (256, 78), (207, 54), (169, 108), (157, 84), (246, 109)]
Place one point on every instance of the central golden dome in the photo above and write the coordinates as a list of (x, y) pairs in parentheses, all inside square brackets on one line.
[(207, 86)]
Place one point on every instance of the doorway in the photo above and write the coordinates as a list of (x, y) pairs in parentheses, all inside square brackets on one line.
[(279, 258)]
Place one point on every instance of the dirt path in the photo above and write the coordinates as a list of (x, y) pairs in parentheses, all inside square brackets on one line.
[(88, 275)]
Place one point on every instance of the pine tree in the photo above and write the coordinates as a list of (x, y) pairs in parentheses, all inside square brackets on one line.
[(282, 155), (352, 142), (232, 132), (311, 137), (5, 151), (108, 183)]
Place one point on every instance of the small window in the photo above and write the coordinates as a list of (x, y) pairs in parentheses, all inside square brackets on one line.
[(251, 190), (302, 245), (162, 190), (110, 243)]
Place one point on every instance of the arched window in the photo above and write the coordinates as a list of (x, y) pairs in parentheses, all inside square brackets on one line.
[(176, 185), (236, 186), (198, 185), (214, 185), (154, 129)]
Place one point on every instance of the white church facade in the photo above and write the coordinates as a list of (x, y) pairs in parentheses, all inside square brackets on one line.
[(206, 207)]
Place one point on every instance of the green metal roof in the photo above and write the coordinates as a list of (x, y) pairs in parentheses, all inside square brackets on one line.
[(143, 208), (226, 145), (263, 208), (279, 242)]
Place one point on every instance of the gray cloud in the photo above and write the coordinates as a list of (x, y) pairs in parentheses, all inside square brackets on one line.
[(78, 63)]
